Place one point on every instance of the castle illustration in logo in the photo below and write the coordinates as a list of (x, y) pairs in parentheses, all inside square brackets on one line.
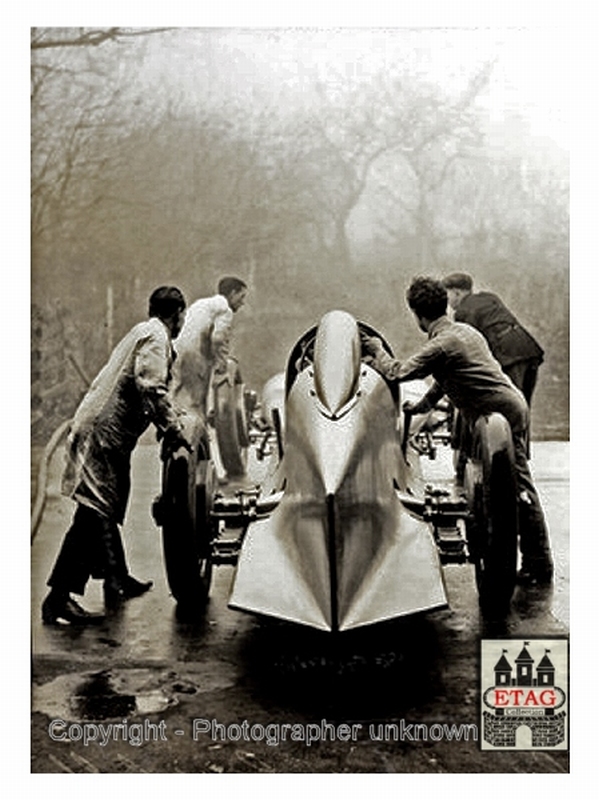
[(529, 698)]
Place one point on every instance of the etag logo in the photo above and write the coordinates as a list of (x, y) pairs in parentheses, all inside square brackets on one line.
[(518, 699), (524, 694)]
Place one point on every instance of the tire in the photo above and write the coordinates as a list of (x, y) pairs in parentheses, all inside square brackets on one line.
[(243, 427), (492, 489), (187, 529), (231, 427)]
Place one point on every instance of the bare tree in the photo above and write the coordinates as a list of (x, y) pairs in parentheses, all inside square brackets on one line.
[(82, 99), (46, 38), (397, 122)]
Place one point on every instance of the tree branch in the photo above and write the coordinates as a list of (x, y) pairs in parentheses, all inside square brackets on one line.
[(93, 38)]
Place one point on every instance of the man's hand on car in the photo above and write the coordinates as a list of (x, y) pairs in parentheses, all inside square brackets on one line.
[(372, 345)]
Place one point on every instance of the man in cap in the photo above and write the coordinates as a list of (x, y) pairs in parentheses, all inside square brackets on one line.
[(129, 393), (464, 369), (519, 354)]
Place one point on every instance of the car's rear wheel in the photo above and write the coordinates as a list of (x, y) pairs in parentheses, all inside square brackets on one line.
[(492, 526), (231, 426)]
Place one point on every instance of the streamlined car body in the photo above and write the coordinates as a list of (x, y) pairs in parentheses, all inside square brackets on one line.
[(339, 550), (341, 531)]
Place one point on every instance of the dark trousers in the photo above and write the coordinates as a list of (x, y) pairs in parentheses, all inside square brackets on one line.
[(523, 374), (92, 547), (534, 536)]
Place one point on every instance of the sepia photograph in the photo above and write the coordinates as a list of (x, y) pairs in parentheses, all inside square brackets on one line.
[(300, 398)]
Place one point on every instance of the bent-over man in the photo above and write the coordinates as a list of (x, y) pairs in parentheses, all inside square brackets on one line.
[(129, 393), (464, 369), (519, 354)]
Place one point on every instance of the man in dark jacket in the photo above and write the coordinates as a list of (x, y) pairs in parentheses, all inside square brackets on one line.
[(464, 369), (512, 345)]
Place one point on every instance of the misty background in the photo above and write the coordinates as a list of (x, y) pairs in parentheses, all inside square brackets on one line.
[(325, 167)]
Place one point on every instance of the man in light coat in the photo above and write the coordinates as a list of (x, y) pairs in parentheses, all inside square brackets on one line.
[(203, 344), (128, 394), (202, 354)]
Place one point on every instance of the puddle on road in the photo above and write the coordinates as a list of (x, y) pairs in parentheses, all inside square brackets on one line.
[(95, 698), (118, 693)]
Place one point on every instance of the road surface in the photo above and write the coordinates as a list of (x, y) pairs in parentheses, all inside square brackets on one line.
[(253, 690)]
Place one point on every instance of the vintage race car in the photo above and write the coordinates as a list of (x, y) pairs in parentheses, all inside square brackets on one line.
[(342, 531)]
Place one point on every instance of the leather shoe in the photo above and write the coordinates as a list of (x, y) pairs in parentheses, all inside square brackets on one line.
[(116, 592), (535, 575), (65, 611), (133, 588)]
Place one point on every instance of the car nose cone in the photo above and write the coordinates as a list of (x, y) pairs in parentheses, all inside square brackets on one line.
[(336, 360)]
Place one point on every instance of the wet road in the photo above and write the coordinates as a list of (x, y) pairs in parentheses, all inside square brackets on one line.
[(142, 665)]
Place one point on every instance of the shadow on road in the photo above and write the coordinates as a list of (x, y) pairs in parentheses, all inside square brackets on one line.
[(380, 671)]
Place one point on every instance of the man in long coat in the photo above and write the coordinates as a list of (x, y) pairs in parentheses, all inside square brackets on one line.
[(129, 393)]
